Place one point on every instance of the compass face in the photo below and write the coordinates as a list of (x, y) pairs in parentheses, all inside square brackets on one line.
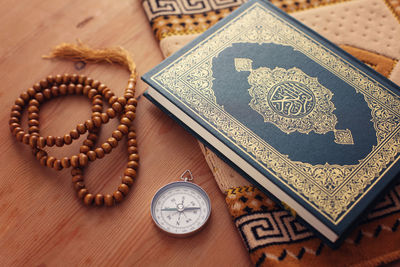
[(180, 208)]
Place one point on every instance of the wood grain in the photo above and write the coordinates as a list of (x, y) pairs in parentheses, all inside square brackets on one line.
[(41, 221)]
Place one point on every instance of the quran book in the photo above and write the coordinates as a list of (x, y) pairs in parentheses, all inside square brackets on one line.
[(300, 118)]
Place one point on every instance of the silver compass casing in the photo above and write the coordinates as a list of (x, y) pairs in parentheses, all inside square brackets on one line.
[(168, 208)]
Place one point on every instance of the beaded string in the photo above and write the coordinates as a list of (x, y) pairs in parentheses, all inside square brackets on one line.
[(123, 108)]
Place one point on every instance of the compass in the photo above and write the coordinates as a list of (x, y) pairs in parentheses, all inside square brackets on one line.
[(181, 208)]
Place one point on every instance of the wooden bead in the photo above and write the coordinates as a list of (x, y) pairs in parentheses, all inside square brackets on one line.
[(133, 164), (92, 93), (50, 161), (88, 81), (134, 157), (16, 114), (76, 171), (88, 143), (92, 137), (108, 200), (58, 79), (81, 79), (132, 150), (16, 108), (111, 113), (71, 88), (78, 89), (20, 102), (97, 101), (112, 100), (44, 83), (37, 87), (99, 152), (97, 108), (132, 142), (25, 96), (83, 160), (88, 199), (14, 122), (117, 107), (124, 189), (108, 94), (89, 125), (40, 154), (130, 172), (130, 108), (33, 141), (127, 180), (50, 141), (81, 128), (17, 130), (97, 121), (91, 155), (104, 117), (33, 129), (54, 91), (79, 185), (129, 95), (77, 178), (33, 116), (96, 114), (130, 115), (43, 161), (131, 85), (65, 162), (82, 193), (33, 123), (84, 149), (132, 101), (75, 161), (59, 141), (117, 135), (39, 97), (66, 78), (63, 89), (131, 135), (41, 143), (25, 138), (19, 135), (99, 200), (14, 126), (31, 92), (34, 102), (74, 78), (112, 141), (47, 94), (57, 165), (118, 196), (125, 121), (74, 134), (50, 79), (101, 87), (86, 89), (106, 147), (95, 84), (33, 109), (122, 101), (67, 139)]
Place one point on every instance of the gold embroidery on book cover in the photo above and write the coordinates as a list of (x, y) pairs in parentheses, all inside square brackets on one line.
[(292, 100)]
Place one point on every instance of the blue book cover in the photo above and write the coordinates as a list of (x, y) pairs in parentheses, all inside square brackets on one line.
[(302, 119)]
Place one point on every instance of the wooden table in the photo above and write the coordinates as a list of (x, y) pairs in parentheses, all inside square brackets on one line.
[(42, 223)]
